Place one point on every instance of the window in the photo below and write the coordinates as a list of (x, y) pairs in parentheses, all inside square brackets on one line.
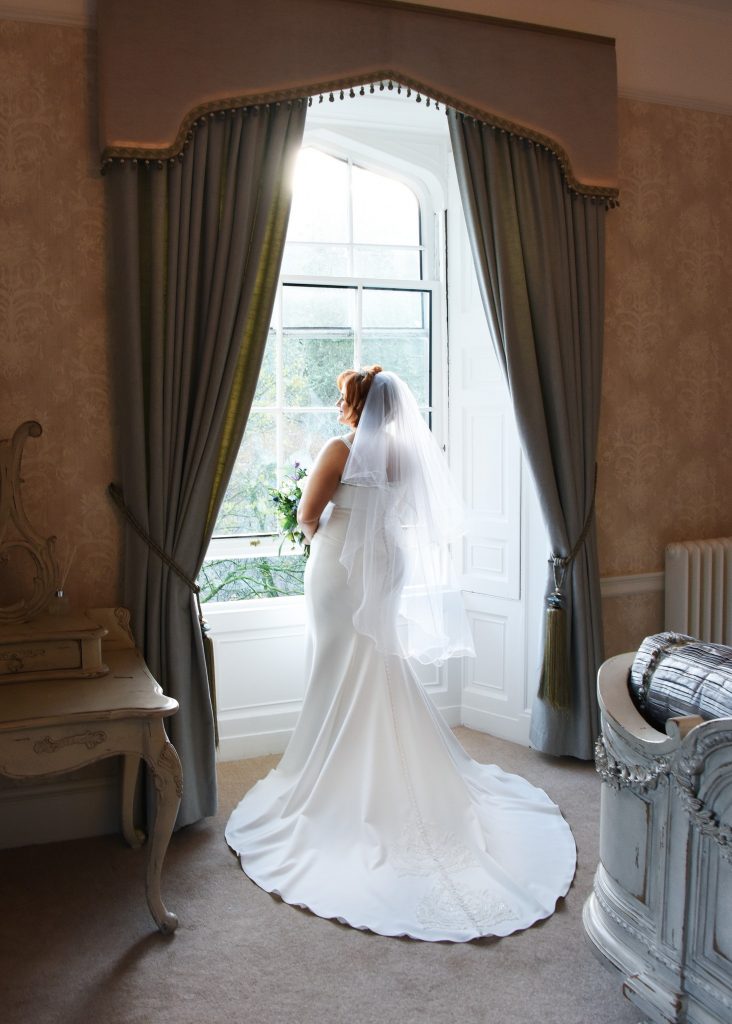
[(355, 289)]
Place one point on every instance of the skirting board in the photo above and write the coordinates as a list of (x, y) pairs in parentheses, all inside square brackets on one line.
[(57, 811), (489, 722)]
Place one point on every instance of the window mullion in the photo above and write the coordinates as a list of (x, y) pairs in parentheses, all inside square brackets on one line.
[(351, 261), (357, 325), (279, 384)]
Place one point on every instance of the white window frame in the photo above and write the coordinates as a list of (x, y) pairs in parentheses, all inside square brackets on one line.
[(432, 246)]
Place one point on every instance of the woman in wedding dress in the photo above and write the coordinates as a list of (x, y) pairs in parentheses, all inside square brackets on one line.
[(375, 815)]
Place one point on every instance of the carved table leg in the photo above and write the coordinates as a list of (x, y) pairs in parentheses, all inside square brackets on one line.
[(168, 778), (130, 764)]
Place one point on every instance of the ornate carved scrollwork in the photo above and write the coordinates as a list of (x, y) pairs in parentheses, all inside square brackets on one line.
[(84, 739), (122, 615), (686, 774), (168, 763), (619, 774), (42, 551)]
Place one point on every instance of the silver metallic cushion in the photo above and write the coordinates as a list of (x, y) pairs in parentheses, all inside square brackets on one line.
[(674, 675)]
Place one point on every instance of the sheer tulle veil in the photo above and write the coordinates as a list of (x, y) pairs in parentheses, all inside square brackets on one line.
[(404, 517)]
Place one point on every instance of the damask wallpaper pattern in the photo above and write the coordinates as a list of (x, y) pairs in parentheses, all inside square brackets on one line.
[(54, 365), (664, 469), (665, 472)]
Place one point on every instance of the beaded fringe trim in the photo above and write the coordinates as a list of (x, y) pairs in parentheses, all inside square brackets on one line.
[(351, 88)]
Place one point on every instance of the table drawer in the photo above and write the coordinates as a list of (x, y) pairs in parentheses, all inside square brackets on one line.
[(39, 657)]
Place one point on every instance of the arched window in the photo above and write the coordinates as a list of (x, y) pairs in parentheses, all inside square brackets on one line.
[(356, 288)]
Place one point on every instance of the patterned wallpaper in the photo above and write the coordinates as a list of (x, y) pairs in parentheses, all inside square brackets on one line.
[(665, 472), (52, 298)]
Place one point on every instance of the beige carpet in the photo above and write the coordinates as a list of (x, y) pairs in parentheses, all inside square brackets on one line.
[(77, 943)]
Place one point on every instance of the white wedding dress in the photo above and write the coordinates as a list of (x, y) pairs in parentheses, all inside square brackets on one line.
[(375, 815)]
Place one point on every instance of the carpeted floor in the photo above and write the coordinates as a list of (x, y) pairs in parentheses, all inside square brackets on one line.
[(77, 943)]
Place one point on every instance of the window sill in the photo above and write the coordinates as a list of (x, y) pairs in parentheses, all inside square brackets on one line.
[(222, 548), (225, 617)]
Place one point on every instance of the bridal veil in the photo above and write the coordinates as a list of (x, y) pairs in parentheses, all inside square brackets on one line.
[(405, 515)]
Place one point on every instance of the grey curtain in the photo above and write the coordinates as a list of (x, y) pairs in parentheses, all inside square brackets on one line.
[(539, 255), (196, 248)]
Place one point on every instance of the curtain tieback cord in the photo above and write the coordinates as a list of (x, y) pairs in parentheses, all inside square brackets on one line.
[(555, 686), (115, 493)]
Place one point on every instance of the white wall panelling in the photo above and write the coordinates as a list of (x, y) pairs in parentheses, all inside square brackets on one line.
[(69, 808), (500, 583), (261, 665)]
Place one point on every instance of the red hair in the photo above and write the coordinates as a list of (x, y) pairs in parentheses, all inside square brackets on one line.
[(355, 385)]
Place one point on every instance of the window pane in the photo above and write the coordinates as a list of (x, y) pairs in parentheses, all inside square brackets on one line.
[(311, 363), (384, 210), (306, 433), (240, 579), (317, 342), (266, 392), (315, 260), (247, 506), (303, 306), (320, 199), (393, 308), (404, 352), (401, 264)]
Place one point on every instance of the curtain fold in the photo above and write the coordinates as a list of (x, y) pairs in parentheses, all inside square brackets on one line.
[(539, 255), (196, 246)]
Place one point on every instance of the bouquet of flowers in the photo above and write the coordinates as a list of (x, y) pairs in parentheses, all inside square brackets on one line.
[(286, 500)]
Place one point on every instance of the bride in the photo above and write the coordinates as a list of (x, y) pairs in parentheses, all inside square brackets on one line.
[(375, 815)]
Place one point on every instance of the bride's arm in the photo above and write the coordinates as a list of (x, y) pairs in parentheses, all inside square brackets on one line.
[(320, 485)]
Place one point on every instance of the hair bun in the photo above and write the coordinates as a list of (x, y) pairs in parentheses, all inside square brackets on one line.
[(373, 370)]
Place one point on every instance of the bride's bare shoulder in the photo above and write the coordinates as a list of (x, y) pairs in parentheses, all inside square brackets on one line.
[(335, 452)]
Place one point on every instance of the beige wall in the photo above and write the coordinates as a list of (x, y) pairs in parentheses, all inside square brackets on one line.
[(664, 469), (53, 331)]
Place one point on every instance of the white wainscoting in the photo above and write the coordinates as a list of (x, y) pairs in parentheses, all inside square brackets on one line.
[(261, 661), (261, 664), (64, 808), (260, 654)]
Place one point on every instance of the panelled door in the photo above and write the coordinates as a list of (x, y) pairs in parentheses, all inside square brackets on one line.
[(486, 459)]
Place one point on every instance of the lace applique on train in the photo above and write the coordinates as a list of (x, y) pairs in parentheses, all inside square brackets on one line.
[(425, 850), (449, 905)]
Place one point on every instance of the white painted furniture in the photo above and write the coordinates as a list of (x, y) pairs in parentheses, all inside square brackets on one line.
[(52, 726), (661, 910)]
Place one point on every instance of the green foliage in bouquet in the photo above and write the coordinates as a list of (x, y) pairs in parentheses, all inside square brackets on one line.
[(286, 501)]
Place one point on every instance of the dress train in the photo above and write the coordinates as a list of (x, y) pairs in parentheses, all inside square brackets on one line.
[(375, 814)]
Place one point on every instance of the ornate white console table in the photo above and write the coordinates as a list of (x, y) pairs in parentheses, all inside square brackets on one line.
[(661, 910), (48, 727)]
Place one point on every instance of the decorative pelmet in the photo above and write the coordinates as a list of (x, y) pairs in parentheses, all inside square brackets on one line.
[(353, 88)]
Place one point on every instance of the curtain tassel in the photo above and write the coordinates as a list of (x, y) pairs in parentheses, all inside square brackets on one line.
[(554, 687), (210, 659)]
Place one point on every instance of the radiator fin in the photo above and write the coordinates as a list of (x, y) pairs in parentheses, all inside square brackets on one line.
[(698, 586)]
